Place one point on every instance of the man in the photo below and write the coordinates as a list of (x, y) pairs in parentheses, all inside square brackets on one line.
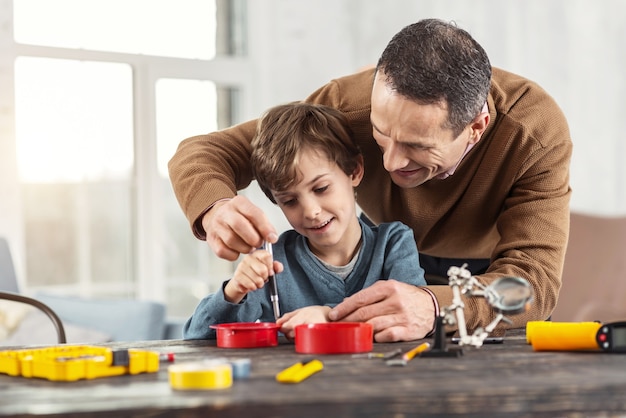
[(475, 162)]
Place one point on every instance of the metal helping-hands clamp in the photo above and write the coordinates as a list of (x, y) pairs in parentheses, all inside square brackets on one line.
[(506, 295)]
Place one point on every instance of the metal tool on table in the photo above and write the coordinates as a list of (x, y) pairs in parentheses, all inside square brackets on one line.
[(272, 284), (384, 356), (408, 356)]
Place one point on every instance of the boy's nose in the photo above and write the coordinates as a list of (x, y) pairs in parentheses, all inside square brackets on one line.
[(312, 209)]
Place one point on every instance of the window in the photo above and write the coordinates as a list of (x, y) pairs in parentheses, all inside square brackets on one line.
[(74, 127), (185, 258), (181, 28), (104, 91)]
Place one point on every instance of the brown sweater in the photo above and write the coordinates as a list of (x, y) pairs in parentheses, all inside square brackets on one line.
[(508, 199)]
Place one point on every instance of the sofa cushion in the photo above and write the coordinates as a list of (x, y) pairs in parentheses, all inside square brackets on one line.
[(123, 320)]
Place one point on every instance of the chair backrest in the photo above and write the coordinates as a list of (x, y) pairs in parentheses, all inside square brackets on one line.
[(594, 275), (8, 279)]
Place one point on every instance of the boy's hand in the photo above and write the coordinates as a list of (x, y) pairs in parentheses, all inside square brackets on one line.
[(306, 315), (252, 273)]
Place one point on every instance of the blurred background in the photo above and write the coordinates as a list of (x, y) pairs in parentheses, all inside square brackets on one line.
[(95, 96)]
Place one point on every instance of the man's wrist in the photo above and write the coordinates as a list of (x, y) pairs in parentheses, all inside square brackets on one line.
[(198, 228), (436, 309)]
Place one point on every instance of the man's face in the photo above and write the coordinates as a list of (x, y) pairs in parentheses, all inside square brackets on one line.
[(415, 145)]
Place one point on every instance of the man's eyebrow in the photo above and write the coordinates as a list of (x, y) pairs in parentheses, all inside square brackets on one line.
[(407, 143), (376, 128), (418, 143)]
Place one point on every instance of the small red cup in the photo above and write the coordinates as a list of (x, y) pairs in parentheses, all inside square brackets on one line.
[(334, 338), (246, 334)]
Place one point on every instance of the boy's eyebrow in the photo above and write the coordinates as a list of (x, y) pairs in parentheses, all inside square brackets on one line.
[(278, 195), (313, 180)]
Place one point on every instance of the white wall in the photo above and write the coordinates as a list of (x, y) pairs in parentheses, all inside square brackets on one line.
[(576, 49)]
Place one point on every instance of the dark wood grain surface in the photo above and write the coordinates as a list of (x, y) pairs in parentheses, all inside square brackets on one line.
[(507, 379)]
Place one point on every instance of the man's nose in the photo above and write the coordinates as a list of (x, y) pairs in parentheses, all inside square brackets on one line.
[(394, 158)]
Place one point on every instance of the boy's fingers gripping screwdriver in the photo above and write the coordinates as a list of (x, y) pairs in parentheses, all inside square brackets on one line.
[(272, 284)]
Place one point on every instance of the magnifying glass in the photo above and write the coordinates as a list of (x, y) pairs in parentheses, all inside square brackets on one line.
[(506, 295), (509, 295)]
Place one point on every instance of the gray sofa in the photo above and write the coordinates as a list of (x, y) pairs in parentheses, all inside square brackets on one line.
[(86, 320)]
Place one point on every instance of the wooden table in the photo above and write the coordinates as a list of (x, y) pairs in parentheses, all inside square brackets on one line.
[(507, 379)]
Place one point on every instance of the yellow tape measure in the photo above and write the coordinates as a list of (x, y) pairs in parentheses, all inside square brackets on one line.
[(201, 375)]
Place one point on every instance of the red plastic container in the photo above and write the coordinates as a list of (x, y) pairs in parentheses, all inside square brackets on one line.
[(334, 338), (246, 334)]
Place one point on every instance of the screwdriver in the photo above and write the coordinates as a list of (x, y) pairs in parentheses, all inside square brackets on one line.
[(272, 284)]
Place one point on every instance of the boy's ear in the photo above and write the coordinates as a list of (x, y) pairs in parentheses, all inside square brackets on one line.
[(357, 174)]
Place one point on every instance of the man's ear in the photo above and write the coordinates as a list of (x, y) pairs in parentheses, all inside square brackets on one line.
[(478, 127), (357, 174)]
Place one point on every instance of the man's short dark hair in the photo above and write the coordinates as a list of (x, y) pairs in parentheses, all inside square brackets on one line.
[(436, 62)]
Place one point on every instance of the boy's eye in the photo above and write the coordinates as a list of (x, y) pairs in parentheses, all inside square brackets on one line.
[(320, 189), (289, 202)]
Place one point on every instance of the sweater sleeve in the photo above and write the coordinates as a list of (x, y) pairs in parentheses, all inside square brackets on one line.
[(206, 168), (215, 309), (401, 259)]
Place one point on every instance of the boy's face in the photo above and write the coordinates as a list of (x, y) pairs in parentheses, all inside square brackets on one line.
[(322, 206)]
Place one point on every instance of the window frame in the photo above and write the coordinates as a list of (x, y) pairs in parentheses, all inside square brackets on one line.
[(148, 217)]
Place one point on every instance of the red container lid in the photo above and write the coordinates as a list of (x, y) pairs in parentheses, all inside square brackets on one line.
[(334, 338), (246, 334)]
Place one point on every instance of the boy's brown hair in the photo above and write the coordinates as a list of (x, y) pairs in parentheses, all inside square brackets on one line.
[(286, 130)]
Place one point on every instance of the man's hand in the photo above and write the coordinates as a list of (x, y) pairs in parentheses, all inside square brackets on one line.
[(397, 311), (236, 227), (307, 315)]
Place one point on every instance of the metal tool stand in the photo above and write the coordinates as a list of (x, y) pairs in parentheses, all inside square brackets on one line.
[(439, 347)]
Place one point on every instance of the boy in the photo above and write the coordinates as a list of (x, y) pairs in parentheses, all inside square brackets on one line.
[(305, 160)]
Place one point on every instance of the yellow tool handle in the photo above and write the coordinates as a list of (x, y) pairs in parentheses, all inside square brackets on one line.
[(414, 352), (298, 372)]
